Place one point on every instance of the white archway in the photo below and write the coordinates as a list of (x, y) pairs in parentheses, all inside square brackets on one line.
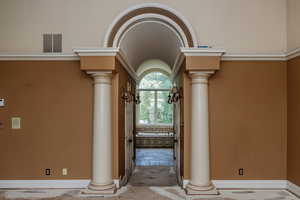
[(144, 17)]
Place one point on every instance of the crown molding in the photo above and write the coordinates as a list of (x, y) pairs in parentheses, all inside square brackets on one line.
[(114, 51), (110, 51), (254, 57), (202, 52), (293, 54), (37, 57), (96, 51), (262, 57)]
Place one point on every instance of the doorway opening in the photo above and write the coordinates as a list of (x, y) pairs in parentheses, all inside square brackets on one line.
[(154, 137), (149, 38)]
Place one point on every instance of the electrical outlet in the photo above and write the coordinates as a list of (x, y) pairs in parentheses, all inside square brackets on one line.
[(241, 171), (64, 171), (47, 172)]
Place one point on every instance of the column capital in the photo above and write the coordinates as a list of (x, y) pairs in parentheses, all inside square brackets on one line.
[(200, 77), (103, 77)]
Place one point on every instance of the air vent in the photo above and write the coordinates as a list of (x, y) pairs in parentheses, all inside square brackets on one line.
[(52, 43)]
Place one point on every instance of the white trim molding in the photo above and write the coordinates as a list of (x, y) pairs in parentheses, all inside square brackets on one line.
[(38, 57), (293, 188), (113, 51), (254, 57), (246, 184), (253, 184), (293, 54), (202, 52), (262, 57), (150, 5), (96, 51), (220, 184), (108, 52), (72, 183)]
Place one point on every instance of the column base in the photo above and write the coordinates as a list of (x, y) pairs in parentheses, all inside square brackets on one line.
[(100, 189), (201, 190)]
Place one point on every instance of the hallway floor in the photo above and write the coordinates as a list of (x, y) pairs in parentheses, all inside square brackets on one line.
[(153, 176), (154, 157), (145, 193)]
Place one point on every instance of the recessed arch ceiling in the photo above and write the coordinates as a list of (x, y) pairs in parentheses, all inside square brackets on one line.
[(150, 40)]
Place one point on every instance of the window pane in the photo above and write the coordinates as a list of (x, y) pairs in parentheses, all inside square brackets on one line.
[(155, 80), (147, 107), (164, 110)]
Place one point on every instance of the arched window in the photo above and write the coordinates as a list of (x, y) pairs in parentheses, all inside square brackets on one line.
[(155, 80), (154, 108)]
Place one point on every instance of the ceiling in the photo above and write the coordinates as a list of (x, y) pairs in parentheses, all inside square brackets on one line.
[(150, 40)]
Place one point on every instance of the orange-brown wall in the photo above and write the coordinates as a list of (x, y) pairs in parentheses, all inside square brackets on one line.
[(293, 155), (123, 79), (247, 102), (54, 100), (247, 107)]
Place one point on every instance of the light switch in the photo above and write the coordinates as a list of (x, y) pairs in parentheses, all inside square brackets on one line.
[(2, 104), (16, 122), (64, 171)]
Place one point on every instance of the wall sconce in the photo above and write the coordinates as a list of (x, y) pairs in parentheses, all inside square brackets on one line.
[(137, 99), (174, 95), (126, 96), (126, 93)]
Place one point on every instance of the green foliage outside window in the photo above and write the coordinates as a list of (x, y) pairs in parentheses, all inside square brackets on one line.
[(154, 108)]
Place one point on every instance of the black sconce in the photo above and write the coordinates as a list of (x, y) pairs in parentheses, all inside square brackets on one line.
[(174, 95), (126, 96), (137, 99)]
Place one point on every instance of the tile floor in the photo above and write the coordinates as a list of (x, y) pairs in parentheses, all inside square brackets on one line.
[(153, 176), (154, 157), (145, 193)]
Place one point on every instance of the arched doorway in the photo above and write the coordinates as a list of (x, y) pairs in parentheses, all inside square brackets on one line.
[(142, 33), (147, 33)]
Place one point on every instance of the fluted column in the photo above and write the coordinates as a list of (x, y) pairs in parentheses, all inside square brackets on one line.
[(200, 182), (102, 182)]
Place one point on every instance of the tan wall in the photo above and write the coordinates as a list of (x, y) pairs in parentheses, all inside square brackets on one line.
[(293, 161), (54, 100), (247, 106), (239, 26), (247, 114), (293, 21), (121, 78)]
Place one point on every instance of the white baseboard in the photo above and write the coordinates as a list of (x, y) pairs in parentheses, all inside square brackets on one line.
[(81, 183), (242, 184), (255, 184), (293, 188)]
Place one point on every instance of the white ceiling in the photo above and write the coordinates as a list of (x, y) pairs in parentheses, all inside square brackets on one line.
[(150, 40)]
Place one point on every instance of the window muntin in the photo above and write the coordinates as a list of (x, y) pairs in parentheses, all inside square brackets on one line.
[(154, 109), (155, 80)]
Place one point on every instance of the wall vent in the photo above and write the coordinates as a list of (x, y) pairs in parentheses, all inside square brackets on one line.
[(52, 43)]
